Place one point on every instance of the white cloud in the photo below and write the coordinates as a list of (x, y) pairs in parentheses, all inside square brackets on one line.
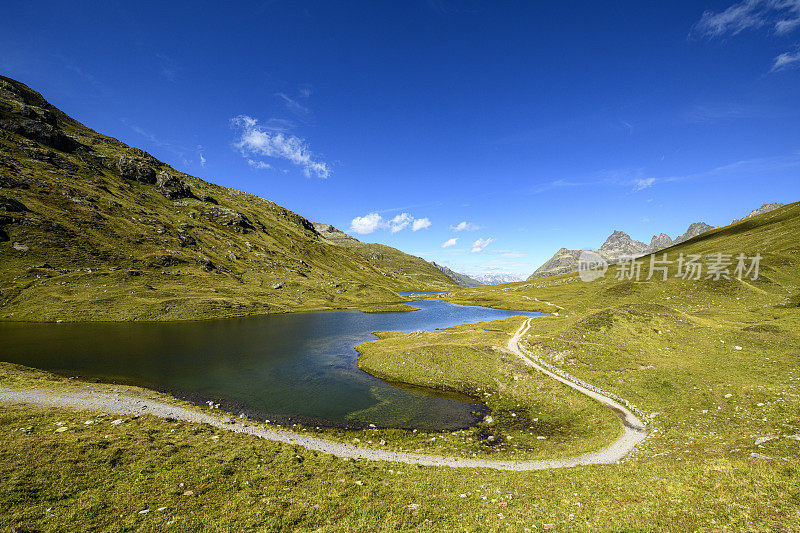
[(480, 244), (786, 60), (258, 164), (421, 223), (465, 226), (643, 183), (374, 221), (782, 15), (256, 140), (450, 242), (400, 222), (366, 224)]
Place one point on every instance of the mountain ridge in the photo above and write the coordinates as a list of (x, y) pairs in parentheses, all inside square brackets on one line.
[(94, 229)]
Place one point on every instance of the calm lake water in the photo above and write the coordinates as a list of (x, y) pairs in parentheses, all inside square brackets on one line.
[(297, 367)]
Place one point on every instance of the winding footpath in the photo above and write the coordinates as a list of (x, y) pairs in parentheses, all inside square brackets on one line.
[(127, 402)]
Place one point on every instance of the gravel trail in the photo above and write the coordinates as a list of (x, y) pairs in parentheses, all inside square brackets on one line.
[(128, 402)]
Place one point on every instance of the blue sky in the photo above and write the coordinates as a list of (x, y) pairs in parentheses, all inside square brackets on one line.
[(536, 125)]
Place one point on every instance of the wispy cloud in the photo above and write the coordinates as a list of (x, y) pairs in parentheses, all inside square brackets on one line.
[(465, 226), (260, 165), (450, 242), (782, 16), (786, 60), (293, 105), (642, 184), (480, 244), (201, 155), (257, 140), (421, 223), (746, 167)]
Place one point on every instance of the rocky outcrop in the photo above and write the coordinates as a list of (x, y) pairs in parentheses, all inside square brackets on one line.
[(230, 219), (9, 204), (26, 113), (766, 208), (136, 169), (172, 187)]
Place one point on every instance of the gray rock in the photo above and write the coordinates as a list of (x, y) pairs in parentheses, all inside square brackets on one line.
[(172, 187), (227, 420), (230, 218), (137, 170)]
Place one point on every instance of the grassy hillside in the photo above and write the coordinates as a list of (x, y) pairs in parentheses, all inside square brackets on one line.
[(92, 229), (713, 365)]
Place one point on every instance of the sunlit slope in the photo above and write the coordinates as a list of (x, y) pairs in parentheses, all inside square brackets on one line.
[(92, 229), (775, 236)]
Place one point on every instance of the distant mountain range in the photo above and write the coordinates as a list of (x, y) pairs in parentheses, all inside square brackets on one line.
[(620, 245), (497, 279), (477, 280)]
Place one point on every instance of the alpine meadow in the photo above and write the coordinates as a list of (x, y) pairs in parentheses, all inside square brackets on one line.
[(538, 269)]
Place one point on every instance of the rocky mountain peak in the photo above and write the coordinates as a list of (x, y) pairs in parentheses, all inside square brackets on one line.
[(660, 241), (695, 229), (621, 242), (765, 208)]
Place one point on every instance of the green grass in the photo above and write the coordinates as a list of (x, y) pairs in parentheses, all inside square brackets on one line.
[(713, 365), (694, 473), (532, 416)]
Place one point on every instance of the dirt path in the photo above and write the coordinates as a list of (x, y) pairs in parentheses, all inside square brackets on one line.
[(128, 402)]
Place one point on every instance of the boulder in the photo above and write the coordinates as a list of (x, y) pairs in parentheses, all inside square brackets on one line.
[(230, 218), (137, 170), (172, 187)]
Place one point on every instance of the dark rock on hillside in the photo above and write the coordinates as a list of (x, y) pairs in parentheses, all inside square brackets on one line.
[(172, 187), (230, 219), (37, 129), (3, 235), (9, 204), (137, 170), (7, 182), (165, 261)]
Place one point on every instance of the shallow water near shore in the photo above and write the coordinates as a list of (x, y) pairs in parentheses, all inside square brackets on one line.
[(297, 367)]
